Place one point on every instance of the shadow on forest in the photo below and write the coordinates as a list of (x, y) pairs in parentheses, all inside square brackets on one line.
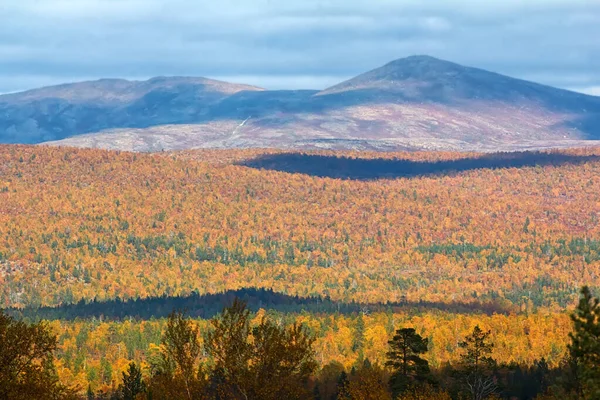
[(380, 168), (208, 305)]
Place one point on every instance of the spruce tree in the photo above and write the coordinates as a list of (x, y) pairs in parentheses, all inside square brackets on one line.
[(584, 349), (132, 383), (90, 393), (358, 340)]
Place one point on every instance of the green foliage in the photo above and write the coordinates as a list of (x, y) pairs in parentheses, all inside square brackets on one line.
[(585, 344), (358, 340), (477, 364), (133, 384), (26, 361), (404, 358), (477, 351)]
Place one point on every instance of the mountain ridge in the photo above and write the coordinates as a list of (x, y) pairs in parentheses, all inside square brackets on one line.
[(418, 102), (157, 82)]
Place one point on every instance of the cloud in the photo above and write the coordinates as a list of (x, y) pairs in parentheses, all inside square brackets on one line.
[(293, 43)]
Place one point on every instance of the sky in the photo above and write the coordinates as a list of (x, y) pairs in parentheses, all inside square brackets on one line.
[(293, 44)]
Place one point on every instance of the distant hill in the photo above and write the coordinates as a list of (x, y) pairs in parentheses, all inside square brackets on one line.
[(424, 78), (418, 102), (57, 112)]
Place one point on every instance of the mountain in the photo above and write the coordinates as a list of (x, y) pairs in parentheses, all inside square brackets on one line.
[(418, 102), (424, 78), (61, 111)]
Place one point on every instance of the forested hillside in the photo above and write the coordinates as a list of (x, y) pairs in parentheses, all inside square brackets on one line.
[(90, 224), (352, 245)]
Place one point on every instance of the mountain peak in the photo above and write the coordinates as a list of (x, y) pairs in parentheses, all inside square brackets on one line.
[(415, 99), (419, 58), (417, 69), (422, 61), (426, 79)]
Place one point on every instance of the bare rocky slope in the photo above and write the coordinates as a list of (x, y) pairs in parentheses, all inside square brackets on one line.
[(417, 102)]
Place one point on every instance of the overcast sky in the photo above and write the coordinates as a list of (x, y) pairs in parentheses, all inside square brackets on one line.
[(293, 43)]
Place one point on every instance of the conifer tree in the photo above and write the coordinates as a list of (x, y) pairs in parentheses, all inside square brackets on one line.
[(358, 340), (477, 351), (585, 344), (404, 359), (132, 383), (477, 364)]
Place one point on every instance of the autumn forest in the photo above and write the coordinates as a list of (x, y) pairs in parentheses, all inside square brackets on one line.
[(353, 250)]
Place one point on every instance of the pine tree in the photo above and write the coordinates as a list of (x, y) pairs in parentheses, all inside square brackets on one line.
[(478, 365), (478, 349), (404, 359), (342, 386)]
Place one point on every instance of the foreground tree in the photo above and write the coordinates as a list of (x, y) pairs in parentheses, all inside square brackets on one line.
[(366, 383), (178, 374), (425, 393), (132, 385), (26, 361), (404, 359), (584, 349), (264, 362), (477, 364)]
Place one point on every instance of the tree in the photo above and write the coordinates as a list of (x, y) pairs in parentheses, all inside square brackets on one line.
[(264, 362), (584, 348), (477, 364), (26, 361), (477, 350), (283, 360), (106, 371), (178, 373), (425, 393), (404, 359), (358, 340), (342, 386), (181, 345), (329, 383), (132, 383), (228, 347), (367, 383)]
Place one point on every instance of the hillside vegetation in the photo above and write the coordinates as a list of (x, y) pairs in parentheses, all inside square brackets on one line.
[(92, 224), (352, 245)]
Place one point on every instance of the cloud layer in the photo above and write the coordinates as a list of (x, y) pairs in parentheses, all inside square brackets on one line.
[(293, 43)]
